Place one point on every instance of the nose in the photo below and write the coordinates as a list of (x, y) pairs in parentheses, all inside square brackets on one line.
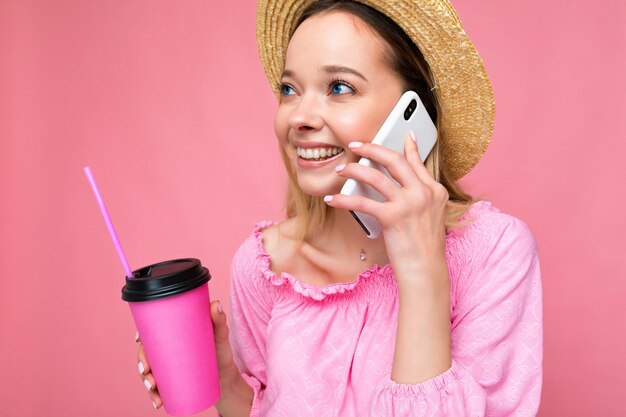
[(306, 114)]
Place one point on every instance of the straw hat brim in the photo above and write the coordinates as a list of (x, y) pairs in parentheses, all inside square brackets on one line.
[(466, 95)]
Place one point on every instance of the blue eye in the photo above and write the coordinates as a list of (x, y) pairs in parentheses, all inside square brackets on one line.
[(340, 87), (284, 89)]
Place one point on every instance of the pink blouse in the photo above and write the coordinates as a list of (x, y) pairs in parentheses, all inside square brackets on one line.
[(328, 351)]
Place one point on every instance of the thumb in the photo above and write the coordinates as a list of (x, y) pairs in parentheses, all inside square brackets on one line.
[(223, 351), (220, 327)]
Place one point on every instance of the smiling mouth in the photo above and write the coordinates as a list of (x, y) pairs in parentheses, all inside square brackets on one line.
[(318, 154)]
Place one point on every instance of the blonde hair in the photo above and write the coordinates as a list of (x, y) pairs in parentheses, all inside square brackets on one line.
[(404, 57)]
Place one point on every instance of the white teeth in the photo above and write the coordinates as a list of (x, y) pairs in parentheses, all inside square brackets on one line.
[(317, 153)]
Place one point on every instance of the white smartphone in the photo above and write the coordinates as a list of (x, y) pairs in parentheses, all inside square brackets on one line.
[(408, 114)]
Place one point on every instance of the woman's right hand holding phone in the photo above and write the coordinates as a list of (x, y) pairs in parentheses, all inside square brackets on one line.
[(236, 395)]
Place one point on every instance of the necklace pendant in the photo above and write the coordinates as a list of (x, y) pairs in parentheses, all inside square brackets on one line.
[(362, 255)]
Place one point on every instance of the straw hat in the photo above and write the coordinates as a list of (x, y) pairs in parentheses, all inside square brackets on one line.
[(464, 88)]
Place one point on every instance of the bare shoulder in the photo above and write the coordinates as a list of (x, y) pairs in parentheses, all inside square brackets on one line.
[(278, 242)]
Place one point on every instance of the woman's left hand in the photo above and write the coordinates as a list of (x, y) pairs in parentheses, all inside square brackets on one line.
[(412, 218)]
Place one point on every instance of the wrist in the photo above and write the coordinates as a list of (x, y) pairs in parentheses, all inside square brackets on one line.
[(232, 383), (235, 394), (427, 279)]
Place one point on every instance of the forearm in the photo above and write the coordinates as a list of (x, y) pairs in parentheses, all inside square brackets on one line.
[(236, 396), (422, 349)]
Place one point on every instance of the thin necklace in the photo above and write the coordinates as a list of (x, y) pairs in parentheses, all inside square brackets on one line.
[(362, 254)]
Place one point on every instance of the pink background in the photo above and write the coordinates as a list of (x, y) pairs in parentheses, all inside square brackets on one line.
[(168, 103)]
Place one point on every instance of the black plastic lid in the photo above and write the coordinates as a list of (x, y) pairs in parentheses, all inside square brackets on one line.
[(165, 279)]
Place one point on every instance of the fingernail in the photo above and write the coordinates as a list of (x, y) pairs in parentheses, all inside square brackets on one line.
[(154, 405), (340, 167), (141, 367), (137, 337), (413, 136), (328, 198), (147, 384), (353, 145), (219, 307)]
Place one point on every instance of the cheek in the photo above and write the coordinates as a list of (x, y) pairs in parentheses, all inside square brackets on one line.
[(356, 125), (281, 127)]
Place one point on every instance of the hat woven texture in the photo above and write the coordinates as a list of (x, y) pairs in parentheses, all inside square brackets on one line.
[(466, 96)]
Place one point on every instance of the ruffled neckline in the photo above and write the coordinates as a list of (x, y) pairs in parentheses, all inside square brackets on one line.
[(308, 290), (320, 293)]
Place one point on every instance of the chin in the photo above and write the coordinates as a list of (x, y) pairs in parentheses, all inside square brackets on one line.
[(320, 190)]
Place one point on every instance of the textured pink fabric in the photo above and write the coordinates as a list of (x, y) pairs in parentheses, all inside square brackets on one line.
[(326, 352)]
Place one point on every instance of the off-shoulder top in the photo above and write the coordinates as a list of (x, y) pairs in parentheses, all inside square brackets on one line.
[(328, 351)]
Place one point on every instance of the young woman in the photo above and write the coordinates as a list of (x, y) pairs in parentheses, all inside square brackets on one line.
[(439, 316)]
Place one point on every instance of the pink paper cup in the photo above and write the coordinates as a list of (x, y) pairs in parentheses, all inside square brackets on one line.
[(170, 302)]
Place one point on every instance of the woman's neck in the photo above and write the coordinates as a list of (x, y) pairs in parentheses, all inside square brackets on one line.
[(343, 235)]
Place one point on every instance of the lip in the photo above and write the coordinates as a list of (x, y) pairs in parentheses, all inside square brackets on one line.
[(305, 163)]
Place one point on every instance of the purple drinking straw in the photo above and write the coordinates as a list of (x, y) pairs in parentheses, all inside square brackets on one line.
[(107, 220)]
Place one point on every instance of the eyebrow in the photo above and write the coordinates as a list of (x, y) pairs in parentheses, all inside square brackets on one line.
[(331, 69)]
